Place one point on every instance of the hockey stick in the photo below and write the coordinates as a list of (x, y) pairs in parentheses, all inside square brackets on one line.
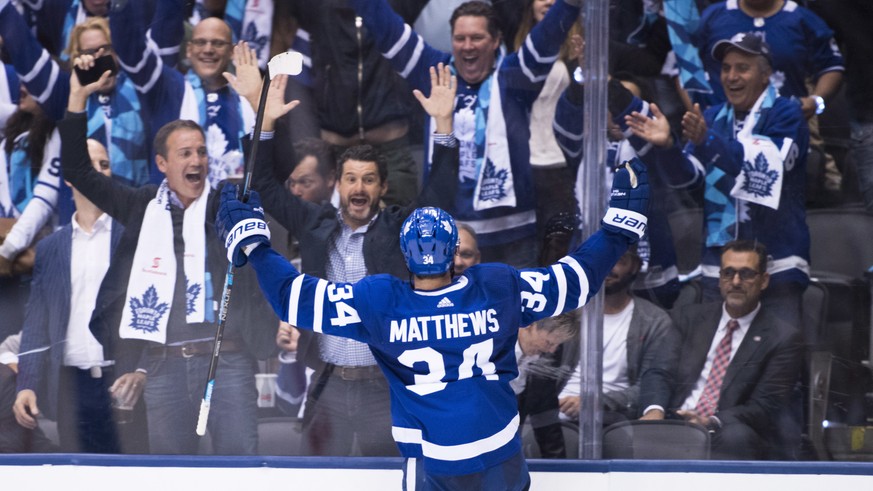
[(288, 63)]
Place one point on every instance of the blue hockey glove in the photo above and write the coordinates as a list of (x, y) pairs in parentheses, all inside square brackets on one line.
[(628, 201), (240, 225)]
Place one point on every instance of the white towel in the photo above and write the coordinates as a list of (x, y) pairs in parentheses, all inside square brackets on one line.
[(760, 180), (495, 185), (152, 281)]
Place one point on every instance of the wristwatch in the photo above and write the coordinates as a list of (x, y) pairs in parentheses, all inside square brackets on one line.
[(819, 103)]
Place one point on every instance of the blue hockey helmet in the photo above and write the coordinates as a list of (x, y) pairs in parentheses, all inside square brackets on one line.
[(428, 239)]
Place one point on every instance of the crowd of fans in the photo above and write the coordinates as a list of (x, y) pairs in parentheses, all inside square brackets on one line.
[(108, 193)]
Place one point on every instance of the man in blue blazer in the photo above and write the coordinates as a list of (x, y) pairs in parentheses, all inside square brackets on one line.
[(60, 360), (742, 402)]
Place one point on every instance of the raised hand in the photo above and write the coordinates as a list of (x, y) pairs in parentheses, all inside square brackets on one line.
[(694, 126), (275, 105), (655, 130), (78, 93), (628, 201), (247, 81), (441, 103), (240, 225)]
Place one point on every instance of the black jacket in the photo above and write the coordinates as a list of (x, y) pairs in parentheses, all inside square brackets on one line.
[(313, 224), (339, 49), (249, 317)]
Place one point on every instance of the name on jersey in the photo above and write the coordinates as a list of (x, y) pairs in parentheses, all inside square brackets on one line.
[(446, 326)]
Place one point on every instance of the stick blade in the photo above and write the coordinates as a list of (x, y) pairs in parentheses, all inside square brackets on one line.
[(287, 63)]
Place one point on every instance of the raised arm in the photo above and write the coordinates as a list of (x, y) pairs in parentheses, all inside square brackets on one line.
[(109, 195), (407, 52), (289, 210), (572, 281), (42, 76), (40, 208), (300, 300), (440, 189), (158, 84)]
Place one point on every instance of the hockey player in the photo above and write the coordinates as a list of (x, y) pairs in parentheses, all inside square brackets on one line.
[(446, 344)]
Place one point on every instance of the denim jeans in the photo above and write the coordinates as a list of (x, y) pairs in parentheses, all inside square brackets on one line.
[(173, 393), (862, 155)]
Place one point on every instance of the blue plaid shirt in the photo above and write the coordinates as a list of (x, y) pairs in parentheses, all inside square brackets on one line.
[(346, 263)]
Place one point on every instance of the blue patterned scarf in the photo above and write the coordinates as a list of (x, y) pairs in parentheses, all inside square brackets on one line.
[(70, 20), (721, 222), (222, 121), (682, 19), (128, 150), (20, 175)]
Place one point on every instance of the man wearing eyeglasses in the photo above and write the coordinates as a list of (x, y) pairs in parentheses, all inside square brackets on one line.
[(202, 94), (730, 366), (749, 154)]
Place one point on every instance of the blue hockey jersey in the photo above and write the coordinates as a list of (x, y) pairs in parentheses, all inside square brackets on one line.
[(801, 44), (448, 354), (495, 187)]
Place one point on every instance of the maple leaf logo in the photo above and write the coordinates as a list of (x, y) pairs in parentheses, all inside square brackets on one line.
[(147, 312), (258, 43), (493, 185), (759, 177), (191, 293)]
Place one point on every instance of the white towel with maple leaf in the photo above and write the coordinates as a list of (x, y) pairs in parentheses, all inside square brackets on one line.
[(151, 287), (760, 179), (495, 186)]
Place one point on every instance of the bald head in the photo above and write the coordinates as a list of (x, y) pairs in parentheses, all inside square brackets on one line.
[(210, 51)]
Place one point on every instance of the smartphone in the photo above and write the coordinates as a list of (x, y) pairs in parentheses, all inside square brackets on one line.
[(105, 62)]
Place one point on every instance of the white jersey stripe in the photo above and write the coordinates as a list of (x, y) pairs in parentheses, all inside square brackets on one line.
[(413, 61), (580, 277), (407, 33), (318, 306), (472, 449), (294, 300), (561, 280), (461, 282), (406, 435)]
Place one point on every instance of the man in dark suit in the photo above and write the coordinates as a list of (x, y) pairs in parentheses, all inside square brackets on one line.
[(60, 360), (738, 362)]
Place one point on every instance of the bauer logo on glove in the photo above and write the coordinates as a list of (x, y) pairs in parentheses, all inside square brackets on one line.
[(628, 201)]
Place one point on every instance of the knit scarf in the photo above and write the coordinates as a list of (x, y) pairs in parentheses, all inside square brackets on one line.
[(152, 283), (221, 117), (118, 118), (759, 181)]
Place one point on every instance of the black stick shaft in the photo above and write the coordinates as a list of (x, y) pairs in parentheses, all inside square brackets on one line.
[(228, 279)]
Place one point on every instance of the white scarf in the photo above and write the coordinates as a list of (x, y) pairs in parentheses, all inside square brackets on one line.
[(760, 180), (152, 281), (495, 186)]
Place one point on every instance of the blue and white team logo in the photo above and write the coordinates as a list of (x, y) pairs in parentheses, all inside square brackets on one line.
[(760, 178), (191, 293), (146, 313), (256, 42), (493, 185)]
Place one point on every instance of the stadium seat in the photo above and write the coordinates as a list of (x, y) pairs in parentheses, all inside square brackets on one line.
[(571, 441), (656, 440)]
